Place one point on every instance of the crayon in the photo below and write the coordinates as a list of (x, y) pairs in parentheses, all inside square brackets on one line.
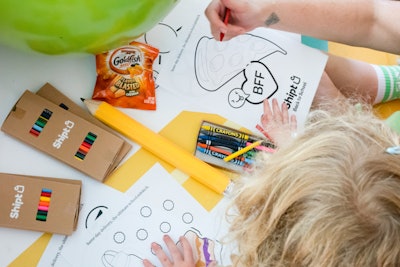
[(213, 148), (45, 194), (79, 156), (264, 132), (90, 138), (242, 151), (222, 156), (34, 132), (87, 145), (239, 141), (262, 148), (83, 148), (43, 208), (88, 141), (211, 136), (215, 141), (225, 132), (40, 217), (44, 203), (224, 140), (41, 122), (42, 212), (46, 199), (226, 19), (226, 152), (46, 114), (219, 142), (37, 128)]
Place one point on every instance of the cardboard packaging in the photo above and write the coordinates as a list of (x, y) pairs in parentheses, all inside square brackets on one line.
[(39, 204), (64, 135), (50, 93)]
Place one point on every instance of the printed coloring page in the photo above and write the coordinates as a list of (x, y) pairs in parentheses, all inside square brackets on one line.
[(154, 206), (233, 78)]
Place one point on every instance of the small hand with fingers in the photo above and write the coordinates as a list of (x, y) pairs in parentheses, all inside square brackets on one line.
[(180, 257), (276, 122)]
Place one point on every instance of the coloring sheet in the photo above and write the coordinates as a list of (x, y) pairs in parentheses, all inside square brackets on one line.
[(154, 206), (233, 78), (169, 34)]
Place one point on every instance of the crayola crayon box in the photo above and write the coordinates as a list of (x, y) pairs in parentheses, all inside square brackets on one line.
[(215, 142), (39, 204), (64, 135)]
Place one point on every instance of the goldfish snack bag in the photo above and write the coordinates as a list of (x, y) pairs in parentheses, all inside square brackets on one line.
[(125, 76)]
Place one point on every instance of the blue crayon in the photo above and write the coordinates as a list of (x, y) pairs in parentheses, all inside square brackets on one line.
[(222, 143), (237, 138), (37, 128), (224, 139)]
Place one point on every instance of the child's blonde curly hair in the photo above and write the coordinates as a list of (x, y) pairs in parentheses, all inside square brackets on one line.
[(331, 197)]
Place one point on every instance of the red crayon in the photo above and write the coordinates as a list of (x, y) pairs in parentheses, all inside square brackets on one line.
[(44, 203), (216, 149), (226, 19), (261, 129), (84, 149)]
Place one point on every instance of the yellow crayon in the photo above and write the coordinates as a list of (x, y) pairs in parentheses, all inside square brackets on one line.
[(243, 150), (44, 199)]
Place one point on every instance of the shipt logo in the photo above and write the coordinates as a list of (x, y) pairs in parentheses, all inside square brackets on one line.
[(17, 204)]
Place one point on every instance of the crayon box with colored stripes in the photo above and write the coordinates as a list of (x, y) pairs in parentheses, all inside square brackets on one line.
[(62, 134), (215, 142), (39, 203)]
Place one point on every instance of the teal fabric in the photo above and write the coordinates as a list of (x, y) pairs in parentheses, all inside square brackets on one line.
[(315, 43)]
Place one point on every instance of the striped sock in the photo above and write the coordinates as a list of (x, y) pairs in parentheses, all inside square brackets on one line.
[(388, 83)]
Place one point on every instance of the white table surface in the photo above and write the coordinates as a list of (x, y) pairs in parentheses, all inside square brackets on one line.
[(74, 75)]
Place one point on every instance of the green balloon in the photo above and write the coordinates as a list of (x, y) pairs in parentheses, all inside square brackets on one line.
[(65, 26)]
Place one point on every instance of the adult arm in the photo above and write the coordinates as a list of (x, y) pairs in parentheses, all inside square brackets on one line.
[(367, 23)]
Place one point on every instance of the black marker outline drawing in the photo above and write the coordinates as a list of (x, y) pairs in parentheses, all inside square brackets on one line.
[(170, 203), (206, 66), (90, 212), (146, 211), (119, 237), (122, 258)]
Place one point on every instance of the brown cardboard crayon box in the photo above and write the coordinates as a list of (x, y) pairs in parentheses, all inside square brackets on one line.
[(64, 135), (39, 204), (50, 93)]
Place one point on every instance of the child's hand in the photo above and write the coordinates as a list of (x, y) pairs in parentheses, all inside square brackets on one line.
[(276, 122), (184, 259)]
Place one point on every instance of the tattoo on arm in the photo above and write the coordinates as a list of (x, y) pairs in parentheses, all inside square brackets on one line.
[(272, 19)]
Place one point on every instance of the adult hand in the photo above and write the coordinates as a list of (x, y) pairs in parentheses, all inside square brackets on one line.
[(244, 17)]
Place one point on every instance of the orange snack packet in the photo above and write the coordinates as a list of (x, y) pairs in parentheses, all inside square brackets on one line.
[(125, 76)]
